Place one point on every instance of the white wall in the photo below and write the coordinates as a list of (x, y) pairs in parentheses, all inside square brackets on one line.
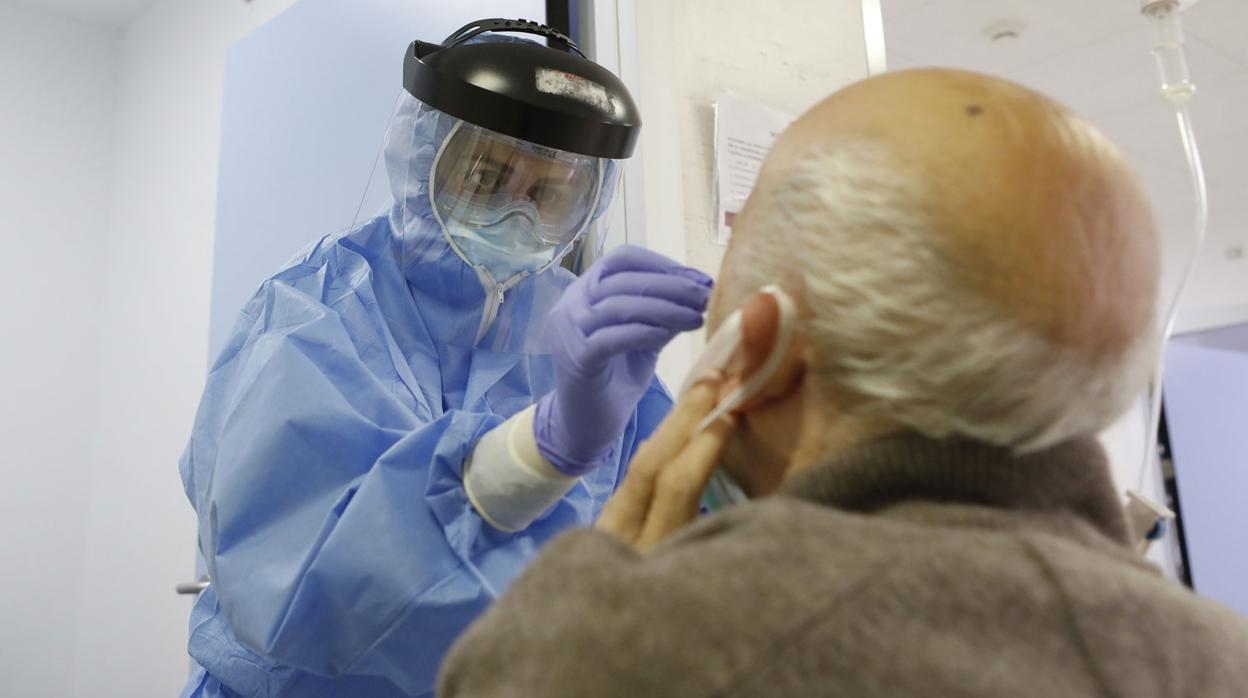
[(153, 348), (788, 55), (755, 51), (58, 79)]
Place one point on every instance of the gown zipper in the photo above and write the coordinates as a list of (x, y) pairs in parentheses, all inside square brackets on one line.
[(495, 294)]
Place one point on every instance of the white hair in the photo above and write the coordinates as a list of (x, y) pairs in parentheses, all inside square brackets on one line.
[(897, 327)]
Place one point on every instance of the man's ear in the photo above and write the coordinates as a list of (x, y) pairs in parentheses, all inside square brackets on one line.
[(760, 328)]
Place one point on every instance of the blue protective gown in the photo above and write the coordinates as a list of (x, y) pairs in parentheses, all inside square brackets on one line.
[(325, 461)]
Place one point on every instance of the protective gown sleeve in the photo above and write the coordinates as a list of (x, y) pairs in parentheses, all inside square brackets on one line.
[(331, 510)]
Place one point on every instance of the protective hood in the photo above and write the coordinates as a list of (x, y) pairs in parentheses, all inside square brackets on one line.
[(499, 303)]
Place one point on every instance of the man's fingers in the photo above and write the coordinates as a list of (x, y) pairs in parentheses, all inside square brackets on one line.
[(677, 428), (626, 512), (677, 489)]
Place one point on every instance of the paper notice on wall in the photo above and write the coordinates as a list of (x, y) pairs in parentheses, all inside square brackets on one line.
[(744, 132)]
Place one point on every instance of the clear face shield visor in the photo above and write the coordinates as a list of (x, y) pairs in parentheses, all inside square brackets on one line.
[(508, 196)]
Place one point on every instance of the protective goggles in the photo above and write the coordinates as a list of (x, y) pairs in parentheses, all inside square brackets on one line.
[(483, 180)]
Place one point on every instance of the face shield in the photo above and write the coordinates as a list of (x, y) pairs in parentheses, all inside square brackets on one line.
[(527, 164), (501, 158), (511, 206)]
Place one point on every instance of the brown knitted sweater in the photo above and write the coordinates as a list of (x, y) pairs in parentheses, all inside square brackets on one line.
[(904, 567)]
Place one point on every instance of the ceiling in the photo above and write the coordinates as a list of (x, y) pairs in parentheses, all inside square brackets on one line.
[(108, 13), (1093, 55)]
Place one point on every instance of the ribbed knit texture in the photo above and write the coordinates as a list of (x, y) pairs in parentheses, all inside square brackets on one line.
[(904, 567)]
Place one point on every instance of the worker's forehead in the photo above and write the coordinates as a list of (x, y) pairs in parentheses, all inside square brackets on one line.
[(502, 152)]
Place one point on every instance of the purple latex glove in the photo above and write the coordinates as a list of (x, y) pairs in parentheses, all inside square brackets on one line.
[(605, 334)]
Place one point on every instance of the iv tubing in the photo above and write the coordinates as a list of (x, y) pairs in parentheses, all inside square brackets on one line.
[(1178, 90)]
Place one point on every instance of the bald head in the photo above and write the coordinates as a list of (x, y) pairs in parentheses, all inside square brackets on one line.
[(979, 231), (1034, 207)]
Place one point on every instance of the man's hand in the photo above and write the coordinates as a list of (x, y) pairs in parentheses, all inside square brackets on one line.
[(662, 490)]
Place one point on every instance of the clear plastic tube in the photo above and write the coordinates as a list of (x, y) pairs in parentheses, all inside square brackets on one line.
[(1192, 150), (1177, 89), (1169, 53)]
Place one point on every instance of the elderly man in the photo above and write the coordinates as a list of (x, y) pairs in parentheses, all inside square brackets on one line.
[(974, 269)]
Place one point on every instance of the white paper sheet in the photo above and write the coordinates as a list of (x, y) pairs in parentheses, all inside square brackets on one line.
[(744, 132)]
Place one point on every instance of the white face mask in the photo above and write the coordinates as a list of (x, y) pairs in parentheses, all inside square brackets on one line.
[(487, 248), (722, 491)]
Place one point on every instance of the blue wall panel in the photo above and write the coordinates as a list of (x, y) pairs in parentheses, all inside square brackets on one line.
[(1207, 418)]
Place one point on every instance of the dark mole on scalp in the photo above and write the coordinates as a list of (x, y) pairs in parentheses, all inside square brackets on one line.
[(974, 110)]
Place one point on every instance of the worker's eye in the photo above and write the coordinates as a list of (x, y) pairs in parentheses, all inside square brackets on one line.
[(548, 196)]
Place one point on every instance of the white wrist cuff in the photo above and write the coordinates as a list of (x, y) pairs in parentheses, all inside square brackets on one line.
[(506, 478)]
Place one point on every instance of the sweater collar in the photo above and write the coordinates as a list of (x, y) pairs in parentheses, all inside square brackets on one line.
[(1070, 477)]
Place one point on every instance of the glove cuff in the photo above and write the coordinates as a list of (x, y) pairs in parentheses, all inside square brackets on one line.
[(546, 430), (507, 480)]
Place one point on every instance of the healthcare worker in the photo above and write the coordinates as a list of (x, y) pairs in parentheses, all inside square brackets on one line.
[(410, 409)]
